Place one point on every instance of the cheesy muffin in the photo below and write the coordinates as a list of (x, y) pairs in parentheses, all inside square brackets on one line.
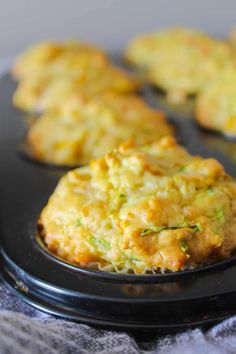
[(86, 128), (216, 104), (39, 92), (178, 60), (60, 58), (141, 209)]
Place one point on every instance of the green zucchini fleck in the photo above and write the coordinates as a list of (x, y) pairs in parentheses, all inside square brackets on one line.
[(97, 242), (195, 227), (78, 222), (183, 246), (219, 214)]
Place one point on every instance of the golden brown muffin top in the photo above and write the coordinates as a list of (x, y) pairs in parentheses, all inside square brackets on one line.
[(216, 103), (84, 128), (140, 209), (179, 60), (59, 58), (39, 92)]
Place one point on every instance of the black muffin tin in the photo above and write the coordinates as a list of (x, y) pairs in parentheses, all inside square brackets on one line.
[(158, 302)]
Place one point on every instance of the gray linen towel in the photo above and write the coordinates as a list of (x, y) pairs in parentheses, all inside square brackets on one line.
[(26, 330)]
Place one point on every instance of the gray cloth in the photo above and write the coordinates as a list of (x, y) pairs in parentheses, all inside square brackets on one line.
[(28, 331)]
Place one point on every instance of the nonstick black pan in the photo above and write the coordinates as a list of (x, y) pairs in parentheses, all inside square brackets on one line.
[(160, 302)]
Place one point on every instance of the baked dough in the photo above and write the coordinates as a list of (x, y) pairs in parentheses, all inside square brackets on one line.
[(216, 104), (179, 60), (59, 58), (86, 128), (143, 209), (39, 92)]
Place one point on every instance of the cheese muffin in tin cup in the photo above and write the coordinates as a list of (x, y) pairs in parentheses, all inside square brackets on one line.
[(85, 128), (143, 209), (216, 104), (64, 57), (180, 61), (40, 92)]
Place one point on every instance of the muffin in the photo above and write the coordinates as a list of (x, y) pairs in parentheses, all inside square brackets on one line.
[(40, 92), (59, 58), (142, 209), (86, 128), (216, 104), (180, 61)]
